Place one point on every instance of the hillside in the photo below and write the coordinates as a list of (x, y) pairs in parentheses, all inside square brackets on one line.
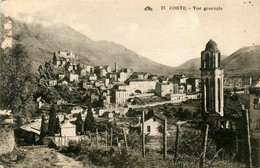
[(194, 63), (40, 42), (244, 61)]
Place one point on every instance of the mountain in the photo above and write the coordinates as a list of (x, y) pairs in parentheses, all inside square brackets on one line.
[(245, 61), (41, 42), (194, 64)]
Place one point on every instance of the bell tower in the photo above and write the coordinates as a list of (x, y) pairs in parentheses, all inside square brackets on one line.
[(212, 80)]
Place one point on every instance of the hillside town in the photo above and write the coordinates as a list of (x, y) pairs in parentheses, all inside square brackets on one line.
[(72, 104)]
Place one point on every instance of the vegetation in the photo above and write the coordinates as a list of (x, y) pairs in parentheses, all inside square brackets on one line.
[(79, 124), (89, 124), (54, 125), (18, 84)]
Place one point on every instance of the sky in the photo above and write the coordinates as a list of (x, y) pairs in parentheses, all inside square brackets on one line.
[(170, 37)]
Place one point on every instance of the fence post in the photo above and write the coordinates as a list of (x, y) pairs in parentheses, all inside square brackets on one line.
[(143, 136), (204, 145), (176, 143), (111, 137), (106, 141), (65, 140), (125, 139), (97, 136), (165, 139), (249, 159)]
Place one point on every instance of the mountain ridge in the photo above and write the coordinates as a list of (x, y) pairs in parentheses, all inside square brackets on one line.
[(41, 42)]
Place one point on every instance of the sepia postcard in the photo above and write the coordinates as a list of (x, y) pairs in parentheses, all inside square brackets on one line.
[(130, 83)]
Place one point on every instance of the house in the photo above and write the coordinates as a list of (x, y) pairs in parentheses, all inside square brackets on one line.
[(153, 124), (254, 113), (142, 86), (107, 68), (180, 79), (74, 77), (67, 129), (92, 77), (108, 115), (163, 88), (87, 85), (119, 96), (195, 83), (30, 132), (122, 77), (61, 76), (176, 97), (76, 109), (61, 101), (53, 82)]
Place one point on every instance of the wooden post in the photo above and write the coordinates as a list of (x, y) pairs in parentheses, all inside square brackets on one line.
[(106, 141), (176, 143), (117, 142), (204, 144), (249, 159), (125, 139), (165, 139), (111, 137), (119, 146), (143, 136), (97, 136), (236, 147)]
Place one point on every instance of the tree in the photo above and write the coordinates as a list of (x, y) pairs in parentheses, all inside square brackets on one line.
[(79, 124), (54, 125), (89, 124), (18, 84), (44, 126)]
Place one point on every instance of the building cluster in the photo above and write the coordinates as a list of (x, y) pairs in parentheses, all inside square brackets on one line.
[(115, 87)]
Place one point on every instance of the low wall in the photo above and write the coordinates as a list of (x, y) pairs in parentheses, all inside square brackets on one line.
[(7, 141)]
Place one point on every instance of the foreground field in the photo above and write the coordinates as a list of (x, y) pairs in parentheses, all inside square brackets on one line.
[(37, 157)]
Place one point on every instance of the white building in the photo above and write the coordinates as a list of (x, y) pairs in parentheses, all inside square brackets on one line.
[(67, 129), (53, 82), (119, 96), (152, 125), (141, 85), (163, 88), (76, 109), (74, 77), (177, 97)]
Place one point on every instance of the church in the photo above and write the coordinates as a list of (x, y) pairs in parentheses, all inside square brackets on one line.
[(212, 80)]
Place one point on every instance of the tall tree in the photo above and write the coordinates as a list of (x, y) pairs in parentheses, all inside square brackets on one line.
[(89, 124), (18, 83), (53, 121), (44, 126), (79, 124)]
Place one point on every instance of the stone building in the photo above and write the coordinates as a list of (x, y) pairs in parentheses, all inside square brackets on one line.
[(212, 80), (162, 89)]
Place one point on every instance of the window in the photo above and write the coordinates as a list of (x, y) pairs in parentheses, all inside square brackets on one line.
[(148, 128), (257, 103), (154, 119)]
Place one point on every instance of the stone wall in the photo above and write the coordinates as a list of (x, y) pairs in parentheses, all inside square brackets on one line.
[(7, 141)]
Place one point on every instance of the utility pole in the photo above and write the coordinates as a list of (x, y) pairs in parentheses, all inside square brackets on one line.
[(106, 141), (204, 145), (143, 136), (125, 139), (165, 139), (111, 137), (97, 136), (176, 143), (249, 159)]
